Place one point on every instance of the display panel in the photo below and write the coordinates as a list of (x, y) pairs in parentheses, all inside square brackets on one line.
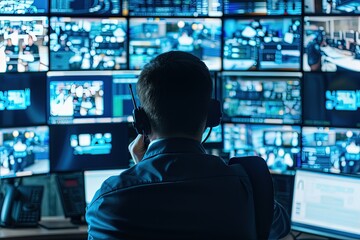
[(332, 7), (189, 8), (263, 7), (326, 205), (150, 37), (215, 135), (77, 98), (28, 7), (262, 44), (24, 43), (331, 149), (22, 99), (260, 98), (332, 99), (331, 44), (24, 151), (83, 7), (279, 146), (122, 101), (89, 147), (94, 179), (88, 43)]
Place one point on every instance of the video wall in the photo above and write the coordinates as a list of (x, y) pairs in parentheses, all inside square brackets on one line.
[(287, 72)]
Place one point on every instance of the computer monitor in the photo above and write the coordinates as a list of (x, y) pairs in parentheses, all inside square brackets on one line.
[(332, 149), (334, 54), (24, 43), (332, 99), (86, 7), (79, 98), (34, 7), (22, 99), (333, 7), (24, 151), (163, 8), (262, 44), (94, 179), (262, 98), (89, 147), (88, 97), (122, 101), (262, 7), (326, 205), (150, 37), (278, 145), (215, 140), (88, 43)]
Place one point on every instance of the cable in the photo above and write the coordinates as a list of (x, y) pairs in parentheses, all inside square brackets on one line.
[(207, 136)]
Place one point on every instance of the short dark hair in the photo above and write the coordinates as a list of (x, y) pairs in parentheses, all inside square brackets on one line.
[(175, 90)]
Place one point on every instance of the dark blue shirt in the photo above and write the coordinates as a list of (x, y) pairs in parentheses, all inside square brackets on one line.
[(177, 192)]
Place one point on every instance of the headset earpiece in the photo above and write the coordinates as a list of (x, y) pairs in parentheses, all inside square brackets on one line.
[(214, 114)]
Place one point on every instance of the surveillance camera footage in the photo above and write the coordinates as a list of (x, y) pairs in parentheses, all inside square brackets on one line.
[(150, 37), (88, 44), (332, 99), (261, 99), (262, 7), (194, 8), (24, 44), (76, 99), (26, 7), (262, 44), (89, 147), (84, 7), (24, 151), (331, 149), (22, 99), (331, 44), (332, 7), (279, 146)]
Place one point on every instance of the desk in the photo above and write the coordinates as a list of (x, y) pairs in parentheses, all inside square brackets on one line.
[(40, 233)]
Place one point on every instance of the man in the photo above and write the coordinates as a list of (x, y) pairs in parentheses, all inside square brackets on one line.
[(32, 50), (176, 190)]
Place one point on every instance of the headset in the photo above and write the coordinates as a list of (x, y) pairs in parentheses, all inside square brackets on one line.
[(142, 124)]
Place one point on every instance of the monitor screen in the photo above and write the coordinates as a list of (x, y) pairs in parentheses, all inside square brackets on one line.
[(279, 146), (334, 150), (24, 151), (19, 7), (85, 7), (122, 101), (332, 99), (79, 98), (88, 43), (150, 37), (262, 7), (94, 179), (327, 46), (332, 7), (262, 44), (22, 99), (215, 135), (187, 8), (326, 205), (24, 44), (89, 147), (261, 98)]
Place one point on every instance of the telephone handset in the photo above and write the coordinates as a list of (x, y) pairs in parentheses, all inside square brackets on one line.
[(21, 206)]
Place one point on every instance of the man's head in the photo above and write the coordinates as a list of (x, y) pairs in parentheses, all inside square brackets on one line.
[(175, 90)]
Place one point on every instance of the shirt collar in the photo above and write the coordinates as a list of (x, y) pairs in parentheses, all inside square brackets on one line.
[(173, 145)]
